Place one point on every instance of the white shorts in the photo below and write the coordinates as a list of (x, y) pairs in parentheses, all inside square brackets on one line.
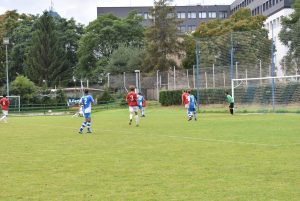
[(5, 112), (133, 109), (186, 106)]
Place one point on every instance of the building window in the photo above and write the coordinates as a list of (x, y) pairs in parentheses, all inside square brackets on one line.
[(223, 14), (202, 15), (191, 28), (181, 15), (212, 15), (192, 15), (146, 16), (182, 29)]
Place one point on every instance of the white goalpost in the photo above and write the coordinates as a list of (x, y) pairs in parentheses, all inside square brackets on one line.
[(267, 93), (15, 103)]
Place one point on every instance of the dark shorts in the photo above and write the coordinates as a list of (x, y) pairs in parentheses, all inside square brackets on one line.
[(231, 106)]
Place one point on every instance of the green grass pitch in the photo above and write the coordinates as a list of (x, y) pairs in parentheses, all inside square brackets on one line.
[(219, 157)]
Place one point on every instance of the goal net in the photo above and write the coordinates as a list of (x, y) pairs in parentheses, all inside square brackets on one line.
[(15, 103), (267, 94)]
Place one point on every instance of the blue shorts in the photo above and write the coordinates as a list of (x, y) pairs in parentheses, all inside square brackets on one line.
[(140, 107), (192, 109), (87, 115)]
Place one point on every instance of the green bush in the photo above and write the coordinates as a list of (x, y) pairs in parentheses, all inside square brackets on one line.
[(105, 97), (207, 96)]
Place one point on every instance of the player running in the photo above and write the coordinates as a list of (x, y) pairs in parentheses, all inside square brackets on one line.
[(191, 106), (131, 99), (230, 100), (185, 101), (141, 104), (4, 102), (86, 102)]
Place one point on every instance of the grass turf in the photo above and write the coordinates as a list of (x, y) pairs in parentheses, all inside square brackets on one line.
[(219, 157)]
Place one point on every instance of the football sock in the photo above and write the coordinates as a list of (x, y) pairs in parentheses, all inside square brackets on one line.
[(82, 126), (88, 126), (130, 116), (137, 119), (195, 115)]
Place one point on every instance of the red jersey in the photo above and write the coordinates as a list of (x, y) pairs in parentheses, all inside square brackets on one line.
[(131, 99), (184, 98), (4, 102)]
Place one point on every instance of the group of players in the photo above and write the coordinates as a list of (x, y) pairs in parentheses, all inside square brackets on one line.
[(136, 101), (190, 103)]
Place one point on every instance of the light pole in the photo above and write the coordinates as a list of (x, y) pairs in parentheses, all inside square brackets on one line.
[(157, 85), (6, 43), (137, 75), (260, 73), (108, 80), (236, 70)]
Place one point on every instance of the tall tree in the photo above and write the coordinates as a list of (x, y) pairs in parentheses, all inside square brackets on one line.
[(242, 31), (102, 37), (290, 36), (161, 37), (21, 38), (46, 60)]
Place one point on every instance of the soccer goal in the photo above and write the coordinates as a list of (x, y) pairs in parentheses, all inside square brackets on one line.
[(267, 94), (15, 103)]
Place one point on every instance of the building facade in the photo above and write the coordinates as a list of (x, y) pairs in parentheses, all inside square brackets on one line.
[(191, 16)]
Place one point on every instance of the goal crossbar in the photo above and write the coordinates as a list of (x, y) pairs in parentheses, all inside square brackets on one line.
[(265, 78)]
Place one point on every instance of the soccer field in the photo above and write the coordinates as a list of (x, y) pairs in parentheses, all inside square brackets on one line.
[(219, 157)]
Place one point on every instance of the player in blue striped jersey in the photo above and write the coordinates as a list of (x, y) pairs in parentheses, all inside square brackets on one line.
[(86, 102)]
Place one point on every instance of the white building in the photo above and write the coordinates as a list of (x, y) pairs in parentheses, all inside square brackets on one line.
[(281, 50)]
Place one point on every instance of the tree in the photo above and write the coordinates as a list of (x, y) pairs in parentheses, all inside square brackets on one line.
[(290, 37), (161, 37), (242, 31), (21, 37), (46, 59), (25, 88), (69, 34), (103, 36), (125, 59), (9, 22)]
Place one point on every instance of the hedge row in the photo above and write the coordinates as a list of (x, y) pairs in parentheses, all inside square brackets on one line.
[(207, 96), (284, 94)]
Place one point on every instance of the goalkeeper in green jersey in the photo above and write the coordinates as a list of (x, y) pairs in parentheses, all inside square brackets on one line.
[(230, 100)]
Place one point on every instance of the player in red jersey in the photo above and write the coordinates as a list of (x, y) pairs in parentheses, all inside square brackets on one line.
[(131, 99), (4, 102), (185, 100)]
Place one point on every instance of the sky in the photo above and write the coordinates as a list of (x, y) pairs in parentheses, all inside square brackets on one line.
[(85, 11)]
